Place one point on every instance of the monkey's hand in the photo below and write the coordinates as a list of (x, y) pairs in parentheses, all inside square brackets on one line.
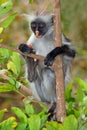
[(49, 59), (25, 48), (63, 50)]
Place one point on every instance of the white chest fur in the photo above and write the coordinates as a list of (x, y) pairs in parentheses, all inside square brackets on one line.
[(42, 45)]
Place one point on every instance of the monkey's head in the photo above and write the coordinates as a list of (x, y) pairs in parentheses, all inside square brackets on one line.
[(41, 25)]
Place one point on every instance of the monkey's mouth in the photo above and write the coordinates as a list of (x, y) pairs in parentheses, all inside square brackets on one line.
[(37, 34)]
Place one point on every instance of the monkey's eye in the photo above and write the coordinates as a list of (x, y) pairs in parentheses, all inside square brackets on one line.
[(42, 25), (33, 25)]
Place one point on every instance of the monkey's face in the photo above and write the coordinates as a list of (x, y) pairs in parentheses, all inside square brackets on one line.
[(39, 28)]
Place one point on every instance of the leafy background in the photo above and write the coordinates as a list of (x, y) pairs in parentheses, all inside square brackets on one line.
[(14, 30)]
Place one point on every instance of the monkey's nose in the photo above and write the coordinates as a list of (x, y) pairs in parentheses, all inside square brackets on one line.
[(37, 34)]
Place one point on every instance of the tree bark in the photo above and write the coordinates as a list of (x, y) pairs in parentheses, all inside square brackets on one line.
[(60, 104)]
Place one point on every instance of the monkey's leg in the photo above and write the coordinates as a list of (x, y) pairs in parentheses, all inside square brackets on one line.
[(30, 62), (51, 112)]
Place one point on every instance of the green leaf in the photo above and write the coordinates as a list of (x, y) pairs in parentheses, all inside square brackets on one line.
[(22, 126), (80, 94), (1, 29), (68, 91), (45, 109), (13, 82), (81, 83), (29, 109), (22, 117), (82, 124), (3, 1), (70, 123), (43, 119), (16, 61), (44, 128), (5, 53), (34, 122), (31, 1), (5, 6), (11, 66), (7, 88), (14, 65), (2, 113), (8, 124), (8, 21), (54, 126)]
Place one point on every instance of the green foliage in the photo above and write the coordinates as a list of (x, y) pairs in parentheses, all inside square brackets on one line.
[(2, 113), (8, 20), (7, 88), (70, 123), (22, 117), (5, 6), (14, 64), (30, 119), (8, 124), (11, 70)]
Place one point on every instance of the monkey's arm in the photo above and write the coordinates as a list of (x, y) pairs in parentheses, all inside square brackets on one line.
[(63, 50), (30, 62)]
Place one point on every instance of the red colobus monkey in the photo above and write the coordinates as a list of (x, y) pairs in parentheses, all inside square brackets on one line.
[(40, 74)]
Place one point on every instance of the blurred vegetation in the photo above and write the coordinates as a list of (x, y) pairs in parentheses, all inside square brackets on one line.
[(74, 26)]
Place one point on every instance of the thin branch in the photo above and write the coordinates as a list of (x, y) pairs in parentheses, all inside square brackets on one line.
[(23, 89), (18, 51)]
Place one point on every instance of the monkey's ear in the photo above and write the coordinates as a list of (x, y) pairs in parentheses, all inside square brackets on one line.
[(52, 18)]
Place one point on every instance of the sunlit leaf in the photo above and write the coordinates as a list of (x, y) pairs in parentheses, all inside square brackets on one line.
[(2, 113), (12, 81), (81, 83), (7, 88), (70, 123), (22, 126), (16, 61), (5, 53), (54, 126), (22, 117), (34, 122), (8, 124), (29, 109), (5, 6), (12, 67), (1, 40), (1, 29), (80, 94), (3, 1), (8, 21)]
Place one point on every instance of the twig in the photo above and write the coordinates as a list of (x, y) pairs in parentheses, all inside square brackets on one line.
[(23, 89), (60, 104), (18, 51)]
